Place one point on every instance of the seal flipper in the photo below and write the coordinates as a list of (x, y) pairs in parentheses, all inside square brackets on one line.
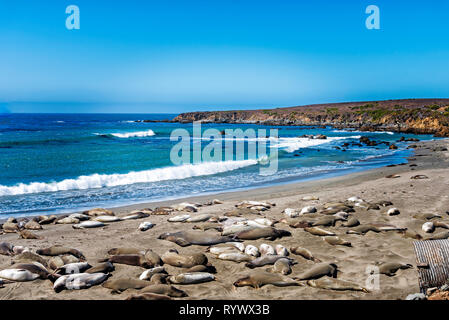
[(182, 242)]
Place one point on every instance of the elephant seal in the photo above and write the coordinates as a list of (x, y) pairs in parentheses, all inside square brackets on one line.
[(125, 250), (60, 250), (410, 234), (122, 284), (252, 251), (71, 268), (19, 275), (281, 250), (67, 220), (318, 271), (107, 219), (208, 226), (319, 232), (47, 219), (159, 278), (303, 252), (337, 241), (187, 238), (266, 249), (137, 215), (146, 225), (78, 281), (282, 266), (259, 279), (328, 221), (265, 260), (36, 268), (335, 284), (268, 233), (104, 267), (202, 268), (175, 259), (439, 236), (138, 260), (6, 249), (59, 261), (98, 212), (147, 274), (33, 225), (164, 289), (10, 227), (352, 222), (29, 257), (26, 234), (148, 296), (191, 278), (390, 268), (363, 229), (88, 224), (235, 256)]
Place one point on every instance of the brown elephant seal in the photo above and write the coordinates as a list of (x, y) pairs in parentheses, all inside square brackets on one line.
[(335, 284), (47, 219), (138, 260), (208, 226), (411, 234), (98, 212), (125, 250), (104, 267), (148, 296), (187, 238), (121, 284), (318, 271), (352, 222), (6, 249), (319, 232), (266, 260), (337, 241), (159, 278), (203, 268), (259, 279), (33, 225), (29, 257), (60, 250), (268, 233), (303, 252), (175, 259), (297, 223), (438, 236), (26, 234), (164, 289), (10, 227), (59, 261), (328, 221), (390, 268), (36, 268), (153, 258), (282, 266)]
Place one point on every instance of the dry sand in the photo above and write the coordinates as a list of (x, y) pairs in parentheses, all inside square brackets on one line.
[(409, 196)]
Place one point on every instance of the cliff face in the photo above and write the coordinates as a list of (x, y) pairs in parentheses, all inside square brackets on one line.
[(430, 116)]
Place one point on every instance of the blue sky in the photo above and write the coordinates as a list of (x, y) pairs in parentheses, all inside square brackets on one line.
[(176, 56)]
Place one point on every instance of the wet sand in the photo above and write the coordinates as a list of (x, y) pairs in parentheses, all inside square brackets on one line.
[(410, 196)]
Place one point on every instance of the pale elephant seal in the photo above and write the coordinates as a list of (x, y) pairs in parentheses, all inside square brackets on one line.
[(33, 225), (175, 259), (390, 268), (147, 274), (192, 278), (26, 234), (164, 289), (318, 271), (282, 266), (335, 284), (265, 260), (79, 216), (59, 261), (104, 267), (144, 226), (121, 284), (180, 218), (6, 249), (19, 275), (305, 253), (235, 256), (281, 250), (268, 233), (137, 215), (337, 241), (199, 218), (20, 249), (266, 249), (259, 279), (67, 220), (319, 232), (71, 268), (79, 281), (106, 219), (186, 238), (428, 227), (60, 250), (252, 250), (88, 224)]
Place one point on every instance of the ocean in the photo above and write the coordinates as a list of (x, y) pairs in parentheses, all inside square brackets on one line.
[(60, 163)]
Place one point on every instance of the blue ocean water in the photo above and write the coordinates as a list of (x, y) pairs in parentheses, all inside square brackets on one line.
[(54, 163)]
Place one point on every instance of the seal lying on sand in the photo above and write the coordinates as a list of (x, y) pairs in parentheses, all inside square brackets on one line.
[(60, 250), (268, 233), (335, 284), (265, 260), (148, 296), (192, 278), (282, 266), (318, 271), (29, 257), (104, 267), (36, 268), (19, 275), (26, 234), (175, 259), (187, 238), (6, 249), (164, 289), (138, 260), (59, 261), (303, 252), (390, 268), (122, 284), (79, 281), (259, 279), (319, 232)]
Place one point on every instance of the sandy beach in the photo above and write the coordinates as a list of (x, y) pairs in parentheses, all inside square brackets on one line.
[(411, 196)]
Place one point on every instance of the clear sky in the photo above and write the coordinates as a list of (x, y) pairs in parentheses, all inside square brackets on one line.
[(175, 56)]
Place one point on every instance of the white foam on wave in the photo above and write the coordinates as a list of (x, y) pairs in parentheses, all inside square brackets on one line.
[(112, 180), (138, 134), (294, 144), (355, 131)]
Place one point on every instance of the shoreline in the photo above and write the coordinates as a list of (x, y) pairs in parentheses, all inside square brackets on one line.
[(410, 196)]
